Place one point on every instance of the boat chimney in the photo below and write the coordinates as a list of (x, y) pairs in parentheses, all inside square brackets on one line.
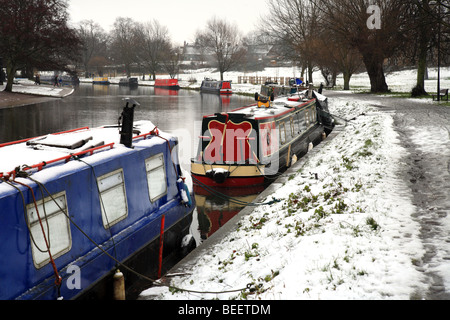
[(127, 117)]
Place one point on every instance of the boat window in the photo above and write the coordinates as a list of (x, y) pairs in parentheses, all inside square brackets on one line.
[(113, 199), (52, 214), (156, 177), (282, 133)]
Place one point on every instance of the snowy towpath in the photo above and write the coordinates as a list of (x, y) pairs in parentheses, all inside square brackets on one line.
[(366, 216), (424, 132)]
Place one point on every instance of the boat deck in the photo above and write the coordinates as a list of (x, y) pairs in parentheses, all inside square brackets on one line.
[(43, 152)]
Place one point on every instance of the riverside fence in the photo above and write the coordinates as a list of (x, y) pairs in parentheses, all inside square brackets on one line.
[(261, 80)]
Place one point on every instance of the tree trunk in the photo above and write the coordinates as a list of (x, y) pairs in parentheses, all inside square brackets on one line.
[(335, 74), (419, 89), (347, 76), (374, 66), (310, 73), (11, 72)]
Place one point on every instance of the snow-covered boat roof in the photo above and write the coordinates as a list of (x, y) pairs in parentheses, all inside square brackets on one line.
[(99, 143), (278, 107)]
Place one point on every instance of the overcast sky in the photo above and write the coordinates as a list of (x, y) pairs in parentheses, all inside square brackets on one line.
[(182, 17)]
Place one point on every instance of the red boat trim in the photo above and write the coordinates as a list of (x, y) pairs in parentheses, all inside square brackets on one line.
[(41, 165), (231, 182), (26, 140), (66, 159), (144, 136)]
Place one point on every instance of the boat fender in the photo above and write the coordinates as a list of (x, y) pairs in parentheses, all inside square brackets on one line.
[(119, 286), (310, 146), (294, 160), (219, 176), (184, 192), (188, 244)]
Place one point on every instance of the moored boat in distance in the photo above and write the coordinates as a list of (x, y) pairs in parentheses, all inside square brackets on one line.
[(130, 82), (171, 84), (215, 86), (101, 80), (61, 79), (80, 205), (295, 85), (249, 146)]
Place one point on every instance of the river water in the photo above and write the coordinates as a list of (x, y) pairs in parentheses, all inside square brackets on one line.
[(177, 112)]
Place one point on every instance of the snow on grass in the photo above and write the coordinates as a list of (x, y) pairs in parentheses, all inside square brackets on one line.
[(26, 86), (348, 234)]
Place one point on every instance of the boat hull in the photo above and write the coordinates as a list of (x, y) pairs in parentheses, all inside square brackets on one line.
[(169, 84), (240, 176), (101, 81), (216, 87), (146, 262)]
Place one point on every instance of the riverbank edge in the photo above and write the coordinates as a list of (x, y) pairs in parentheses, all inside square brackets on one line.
[(23, 98), (189, 262)]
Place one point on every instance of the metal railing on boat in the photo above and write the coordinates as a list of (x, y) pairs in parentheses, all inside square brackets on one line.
[(65, 159), (29, 139)]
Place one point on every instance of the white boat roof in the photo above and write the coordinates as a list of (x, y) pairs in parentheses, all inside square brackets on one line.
[(278, 107), (47, 149)]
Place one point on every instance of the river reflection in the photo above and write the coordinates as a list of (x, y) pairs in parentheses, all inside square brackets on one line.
[(216, 207), (178, 112)]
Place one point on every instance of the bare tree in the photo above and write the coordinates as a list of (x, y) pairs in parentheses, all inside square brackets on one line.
[(431, 20), (35, 34), (352, 20), (293, 24), (94, 40), (333, 57), (123, 42), (172, 61), (154, 42), (223, 40)]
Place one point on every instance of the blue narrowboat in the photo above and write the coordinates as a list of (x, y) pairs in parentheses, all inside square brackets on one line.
[(129, 82), (214, 86), (65, 80), (86, 209)]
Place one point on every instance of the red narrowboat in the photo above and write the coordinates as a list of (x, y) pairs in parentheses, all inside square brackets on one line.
[(171, 84), (251, 145)]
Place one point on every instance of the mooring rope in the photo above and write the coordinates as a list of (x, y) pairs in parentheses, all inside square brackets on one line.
[(122, 265)]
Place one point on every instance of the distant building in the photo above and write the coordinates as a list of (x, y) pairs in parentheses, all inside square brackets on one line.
[(258, 56), (194, 57)]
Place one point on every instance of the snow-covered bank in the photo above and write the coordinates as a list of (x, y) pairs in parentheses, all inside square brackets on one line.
[(26, 86), (347, 235), (400, 81)]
